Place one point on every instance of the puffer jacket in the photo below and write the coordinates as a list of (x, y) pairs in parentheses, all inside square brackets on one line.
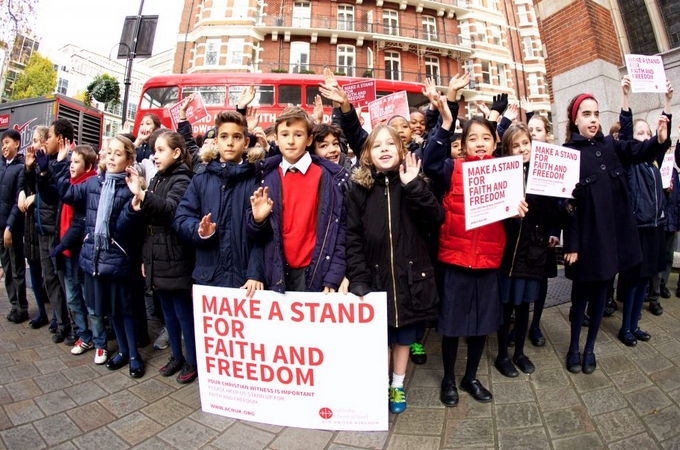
[(387, 231), (168, 260), (11, 183)]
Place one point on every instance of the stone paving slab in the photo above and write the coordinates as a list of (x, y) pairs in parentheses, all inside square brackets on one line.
[(52, 399)]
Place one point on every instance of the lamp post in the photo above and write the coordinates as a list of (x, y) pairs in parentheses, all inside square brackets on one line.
[(128, 66)]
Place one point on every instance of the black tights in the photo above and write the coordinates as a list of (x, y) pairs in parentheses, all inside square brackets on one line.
[(521, 324), (539, 305), (475, 345), (591, 294)]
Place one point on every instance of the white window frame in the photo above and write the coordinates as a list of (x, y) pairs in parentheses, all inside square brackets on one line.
[(532, 82), (346, 59), (480, 32), (212, 46), (235, 48), (390, 19), (486, 74), (345, 17), (369, 58), (299, 56), (392, 58), (218, 10), (429, 24), (302, 14), (432, 69), (496, 35), (502, 75), (240, 8), (529, 51), (524, 14)]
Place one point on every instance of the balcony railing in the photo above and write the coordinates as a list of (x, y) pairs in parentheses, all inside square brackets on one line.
[(353, 71), (332, 23)]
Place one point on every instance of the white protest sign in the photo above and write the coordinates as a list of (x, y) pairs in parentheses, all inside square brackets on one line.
[(553, 170), (667, 169), (288, 359), (493, 189), (647, 73), (386, 107)]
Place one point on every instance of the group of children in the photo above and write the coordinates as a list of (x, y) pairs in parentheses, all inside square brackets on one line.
[(307, 218)]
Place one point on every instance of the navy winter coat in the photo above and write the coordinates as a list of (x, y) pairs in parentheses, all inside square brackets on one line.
[(327, 268), (11, 183), (673, 198), (227, 258), (47, 209), (125, 228)]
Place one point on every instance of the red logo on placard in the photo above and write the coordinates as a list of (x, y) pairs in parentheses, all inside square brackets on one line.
[(4, 120), (564, 189), (507, 208), (326, 413)]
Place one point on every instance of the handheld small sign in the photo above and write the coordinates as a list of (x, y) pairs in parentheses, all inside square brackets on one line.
[(647, 73), (553, 170)]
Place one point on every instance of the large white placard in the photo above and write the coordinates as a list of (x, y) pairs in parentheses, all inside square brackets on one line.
[(493, 190), (667, 170), (553, 170), (292, 359), (647, 73)]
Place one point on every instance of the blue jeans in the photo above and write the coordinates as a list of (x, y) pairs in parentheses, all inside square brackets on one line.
[(73, 282), (178, 310)]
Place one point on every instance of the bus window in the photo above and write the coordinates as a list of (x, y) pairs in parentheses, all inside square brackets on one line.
[(311, 92), (415, 100), (264, 95), (290, 95), (159, 97), (212, 95)]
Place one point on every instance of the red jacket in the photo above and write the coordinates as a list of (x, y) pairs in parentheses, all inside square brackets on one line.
[(480, 248)]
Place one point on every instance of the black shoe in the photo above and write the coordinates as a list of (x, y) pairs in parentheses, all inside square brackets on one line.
[(627, 338), (586, 321), (38, 322), (417, 352), (641, 335), (574, 362), (54, 326), (475, 388), (117, 362), (655, 308), (511, 338), (188, 374), (506, 368), (664, 292), (59, 336), (173, 366), (70, 340), (524, 364), (677, 292), (536, 338), (17, 317), (136, 368), (609, 307), (589, 363), (449, 393)]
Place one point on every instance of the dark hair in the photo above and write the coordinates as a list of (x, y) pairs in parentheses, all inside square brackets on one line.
[(271, 129), (479, 120), (153, 136), (456, 137), (616, 127), (510, 135), (130, 136), (293, 114), (175, 140), (413, 109), (199, 140), (12, 134), (322, 130), (571, 125), (64, 128), (88, 154), (231, 117), (154, 118)]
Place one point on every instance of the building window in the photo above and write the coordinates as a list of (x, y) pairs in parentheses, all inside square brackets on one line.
[(429, 28), (132, 111), (392, 66), (486, 72), (502, 78), (212, 52), (346, 17), (533, 84), (465, 31), (495, 35), (299, 57), (346, 55), (432, 68), (62, 86), (218, 10), (236, 51), (369, 58), (302, 14), (639, 27), (524, 15), (240, 8), (529, 47), (391, 22), (480, 30)]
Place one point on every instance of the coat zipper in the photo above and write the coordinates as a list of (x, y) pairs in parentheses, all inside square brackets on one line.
[(389, 224)]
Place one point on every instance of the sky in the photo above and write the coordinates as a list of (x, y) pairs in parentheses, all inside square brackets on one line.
[(96, 25)]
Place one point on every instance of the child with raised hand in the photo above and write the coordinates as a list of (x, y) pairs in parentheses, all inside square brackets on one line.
[(390, 209), (469, 288), (148, 124), (167, 261), (111, 252), (212, 214), (600, 238), (299, 212), (524, 259)]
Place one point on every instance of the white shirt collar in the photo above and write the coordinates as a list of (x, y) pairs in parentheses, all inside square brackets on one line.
[(302, 165)]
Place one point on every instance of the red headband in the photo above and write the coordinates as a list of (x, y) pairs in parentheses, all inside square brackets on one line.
[(577, 103)]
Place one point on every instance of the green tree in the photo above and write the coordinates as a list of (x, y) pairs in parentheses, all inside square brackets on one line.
[(38, 78)]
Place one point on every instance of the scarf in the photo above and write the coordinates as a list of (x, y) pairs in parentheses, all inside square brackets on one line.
[(67, 210), (101, 227)]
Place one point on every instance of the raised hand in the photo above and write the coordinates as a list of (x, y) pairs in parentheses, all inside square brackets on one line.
[(447, 117), (318, 109), (206, 228), (410, 170), (43, 160), (329, 77), (246, 97), (185, 106), (500, 103), (133, 181), (334, 93), (261, 204), (64, 148), (456, 83), (482, 108), (662, 129), (512, 112), (527, 105), (430, 91), (344, 286), (252, 117), (29, 157), (625, 84)]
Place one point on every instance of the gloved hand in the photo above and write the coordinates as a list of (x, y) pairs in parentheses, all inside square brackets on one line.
[(43, 160), (578, 193), (57, 250), (500, 103)]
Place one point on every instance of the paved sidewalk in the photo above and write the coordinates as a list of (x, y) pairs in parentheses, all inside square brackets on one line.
[(52, 399)]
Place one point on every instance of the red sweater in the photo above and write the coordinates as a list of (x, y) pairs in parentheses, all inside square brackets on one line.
[(300, 206)]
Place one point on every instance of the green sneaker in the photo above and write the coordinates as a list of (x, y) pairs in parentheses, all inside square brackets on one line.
[(418, 355), (397, 400)]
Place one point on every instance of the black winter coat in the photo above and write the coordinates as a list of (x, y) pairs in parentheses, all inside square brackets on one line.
[(168, 261), (11, 183), (387, 229), (602, 229), (47, 209), (673, 198)]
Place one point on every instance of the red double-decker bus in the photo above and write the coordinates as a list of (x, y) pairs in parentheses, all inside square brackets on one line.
[(275, 91)]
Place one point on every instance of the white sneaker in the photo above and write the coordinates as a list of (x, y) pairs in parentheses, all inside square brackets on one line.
[(100, 356), (162, 341), (81, 347)]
